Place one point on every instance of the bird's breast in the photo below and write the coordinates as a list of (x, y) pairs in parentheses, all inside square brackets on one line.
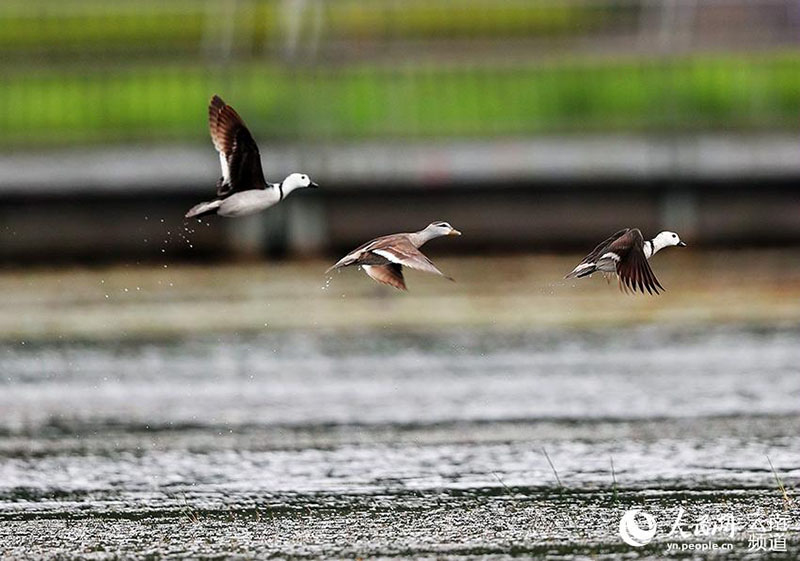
[(248, 202)]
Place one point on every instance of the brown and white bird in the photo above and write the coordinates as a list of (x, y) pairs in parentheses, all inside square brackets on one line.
[(625, 254), (242, 189), (383, 258)]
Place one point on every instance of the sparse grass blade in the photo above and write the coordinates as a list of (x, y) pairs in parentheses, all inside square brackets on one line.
[(787, 500), (549, 461)]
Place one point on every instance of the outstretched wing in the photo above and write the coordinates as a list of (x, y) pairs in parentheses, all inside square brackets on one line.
[(361, 256), (601, 247), (589, 263), (632, 266), (391, 274), (238, 152), (403, 252)]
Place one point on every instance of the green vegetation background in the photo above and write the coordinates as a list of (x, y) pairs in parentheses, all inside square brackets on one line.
[(85, 71)]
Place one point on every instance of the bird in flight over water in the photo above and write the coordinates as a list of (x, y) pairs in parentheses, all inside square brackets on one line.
[(626, 254), (383, 258), (242, 189)]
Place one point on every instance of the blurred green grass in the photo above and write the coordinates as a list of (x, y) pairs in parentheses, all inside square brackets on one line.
[(168, 102), (110, 24), (92, 71)]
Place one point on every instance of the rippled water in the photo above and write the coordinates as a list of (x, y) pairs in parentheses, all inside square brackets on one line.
[(390, 444)]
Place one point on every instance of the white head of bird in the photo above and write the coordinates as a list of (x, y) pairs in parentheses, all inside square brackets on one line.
[(296, 181), (666, 239)]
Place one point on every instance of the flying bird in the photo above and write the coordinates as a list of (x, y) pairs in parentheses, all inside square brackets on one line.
[(625, 254), (242, 189), (383, 258)]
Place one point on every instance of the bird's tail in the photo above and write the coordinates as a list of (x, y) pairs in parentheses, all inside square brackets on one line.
[(343, 262), (582, 270), (203, 209), (338, 265)]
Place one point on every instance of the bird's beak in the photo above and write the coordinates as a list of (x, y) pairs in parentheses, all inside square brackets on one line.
[(681, 244), (312, 184), (454, 232)]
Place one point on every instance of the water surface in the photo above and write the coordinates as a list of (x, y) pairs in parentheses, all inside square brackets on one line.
[(397, 444)]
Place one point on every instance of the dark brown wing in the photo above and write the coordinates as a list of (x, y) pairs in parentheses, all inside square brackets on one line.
[(391, 274), (632, 266), (602, 246), (589, 263), (239, 156)]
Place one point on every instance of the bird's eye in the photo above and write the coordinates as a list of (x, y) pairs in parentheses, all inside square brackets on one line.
[(674, 235)]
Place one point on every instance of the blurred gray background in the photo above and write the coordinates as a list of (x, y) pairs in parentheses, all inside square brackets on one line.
[(529, 125)]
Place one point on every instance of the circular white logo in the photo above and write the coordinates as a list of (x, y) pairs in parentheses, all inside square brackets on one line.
[(630, 531)]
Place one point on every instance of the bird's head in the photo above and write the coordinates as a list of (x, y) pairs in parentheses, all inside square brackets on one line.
[(442, 229), (296, 181), (667, 239)]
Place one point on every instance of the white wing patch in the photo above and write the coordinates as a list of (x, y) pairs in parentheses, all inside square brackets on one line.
[(226, 173), (648, 249), (610, 255), (387, 254)]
